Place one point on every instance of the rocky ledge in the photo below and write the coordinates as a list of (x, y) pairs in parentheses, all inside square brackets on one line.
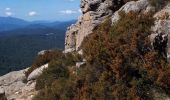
[(15, 85)]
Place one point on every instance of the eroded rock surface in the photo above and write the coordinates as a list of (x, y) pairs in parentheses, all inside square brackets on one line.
[(162, 25), (37, 72), (94, 12), (15, 88)]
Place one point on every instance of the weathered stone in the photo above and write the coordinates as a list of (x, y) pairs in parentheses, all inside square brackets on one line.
[(79, 64), (13, 86), (42, 52), (162, 25), (140, 6), (94, 13), (37, 72), (2, 94)]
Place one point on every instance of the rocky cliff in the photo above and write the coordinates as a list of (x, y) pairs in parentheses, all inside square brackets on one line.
[(93, 13)]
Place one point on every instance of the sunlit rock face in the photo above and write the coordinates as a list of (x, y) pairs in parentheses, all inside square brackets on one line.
[(13, 87), (94, 12)]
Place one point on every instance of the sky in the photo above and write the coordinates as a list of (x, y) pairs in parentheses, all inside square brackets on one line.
[(49, 10)]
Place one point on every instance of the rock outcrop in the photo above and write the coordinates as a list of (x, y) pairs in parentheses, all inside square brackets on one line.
[(140, 6), (162, 22), (94, 12), (37, 72), (2, 94), (14, 87), (162, 26)]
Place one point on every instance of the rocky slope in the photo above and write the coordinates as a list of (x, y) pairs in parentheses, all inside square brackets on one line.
[(14, 88), (94, 12), (15, 85)]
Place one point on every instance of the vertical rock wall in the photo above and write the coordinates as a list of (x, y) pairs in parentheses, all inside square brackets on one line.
[(93, 13)]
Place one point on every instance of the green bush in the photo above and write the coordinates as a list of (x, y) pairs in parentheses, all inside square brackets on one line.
[(55, 71), (43, 59), (58, 68)]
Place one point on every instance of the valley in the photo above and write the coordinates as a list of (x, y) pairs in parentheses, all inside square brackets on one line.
[(19, 45)]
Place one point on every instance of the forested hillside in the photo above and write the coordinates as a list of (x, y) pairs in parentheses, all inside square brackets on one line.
[(19, 47)]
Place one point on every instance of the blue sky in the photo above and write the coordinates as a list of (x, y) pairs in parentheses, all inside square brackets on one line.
[(53, 10)]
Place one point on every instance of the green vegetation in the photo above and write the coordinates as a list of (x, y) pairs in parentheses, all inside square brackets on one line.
[(125, 50), (18, 51), (19, 47), (120, 65), (56, 78), (43, 59)]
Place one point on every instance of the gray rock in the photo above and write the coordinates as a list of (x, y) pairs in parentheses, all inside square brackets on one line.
[(37, 72), (79, 64), (42, 52), (136, 6), (14, 88), (162, 25), (2, 94), (94, 13)]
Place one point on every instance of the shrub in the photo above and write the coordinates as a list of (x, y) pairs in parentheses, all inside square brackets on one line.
[(55, 71), (43, 59), (125, 50), (58, 68), (120, 65)]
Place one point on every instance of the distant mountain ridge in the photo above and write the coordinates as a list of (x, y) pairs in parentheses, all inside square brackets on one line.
[(11, 23), (20, 41)]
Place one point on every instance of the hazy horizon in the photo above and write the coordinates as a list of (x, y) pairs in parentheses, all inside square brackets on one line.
[(43, 10), (37, 20)]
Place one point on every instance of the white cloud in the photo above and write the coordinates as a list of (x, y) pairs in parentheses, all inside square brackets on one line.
[(79, 11), (7, 9), (8, 13), (70, 0), (68, 12), (32, 13)]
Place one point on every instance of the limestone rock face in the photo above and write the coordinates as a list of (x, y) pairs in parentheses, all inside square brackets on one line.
[(14, 87), (94, 12)]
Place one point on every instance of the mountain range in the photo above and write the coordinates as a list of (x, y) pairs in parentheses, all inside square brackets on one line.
[(21, 40), (11, 23)]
